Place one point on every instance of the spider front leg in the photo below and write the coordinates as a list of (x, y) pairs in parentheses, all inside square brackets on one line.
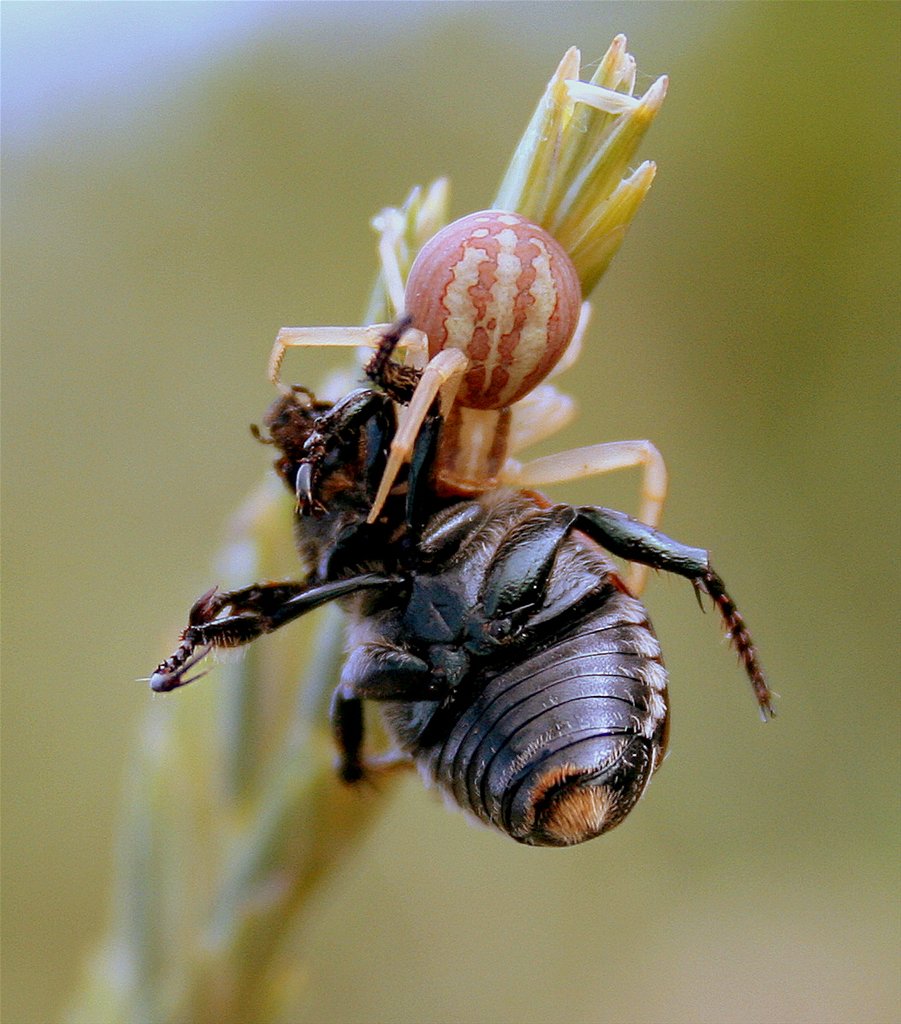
[(440, 379), (342, 337), (594, 460), (391, 225)]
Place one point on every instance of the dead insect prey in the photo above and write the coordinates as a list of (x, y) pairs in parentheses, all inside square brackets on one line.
[(513, 663)]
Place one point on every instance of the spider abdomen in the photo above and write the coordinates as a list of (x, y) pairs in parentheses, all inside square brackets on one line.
[(504, 292)]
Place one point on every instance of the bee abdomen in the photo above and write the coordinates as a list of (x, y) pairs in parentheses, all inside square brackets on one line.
[(558, 747)]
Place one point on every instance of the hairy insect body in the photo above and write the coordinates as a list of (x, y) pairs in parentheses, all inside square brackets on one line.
[(512, 664), (557, 712)]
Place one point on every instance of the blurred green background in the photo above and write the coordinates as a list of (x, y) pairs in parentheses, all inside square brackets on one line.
[(182, 180)]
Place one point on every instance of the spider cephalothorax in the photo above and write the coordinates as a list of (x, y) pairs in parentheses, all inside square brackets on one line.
[(492, 310)]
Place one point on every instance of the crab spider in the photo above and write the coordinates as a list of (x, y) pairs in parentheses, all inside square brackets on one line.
[(495, 309)]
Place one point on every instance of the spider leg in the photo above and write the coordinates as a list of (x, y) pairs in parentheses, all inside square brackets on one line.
[(574, 348), (593, 461), (440, 379), (538, 415), (390, 226), (325, 337)]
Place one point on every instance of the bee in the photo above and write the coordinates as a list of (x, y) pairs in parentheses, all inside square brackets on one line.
[(513, 664)]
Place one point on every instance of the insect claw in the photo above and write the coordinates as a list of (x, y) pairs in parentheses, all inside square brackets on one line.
[(699, 590), (200, 675), (371, 771), (258, 435), (303, 485), (166, 679), (303, 490)]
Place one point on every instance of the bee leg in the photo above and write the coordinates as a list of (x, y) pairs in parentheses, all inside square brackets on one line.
[(255, 600), (382, 671), (376, 672), (362, 412), (347, 730), (258, 609), (258, 598), (419, 491), (636, 541), (517, 579), (595, 459)]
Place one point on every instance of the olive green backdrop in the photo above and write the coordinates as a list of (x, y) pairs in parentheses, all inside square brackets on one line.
[(159, 227)]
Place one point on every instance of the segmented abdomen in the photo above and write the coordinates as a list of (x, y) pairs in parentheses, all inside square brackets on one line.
[(558, 747)]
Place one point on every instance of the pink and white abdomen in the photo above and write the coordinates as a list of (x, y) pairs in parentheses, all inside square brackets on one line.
[(504, 292)]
